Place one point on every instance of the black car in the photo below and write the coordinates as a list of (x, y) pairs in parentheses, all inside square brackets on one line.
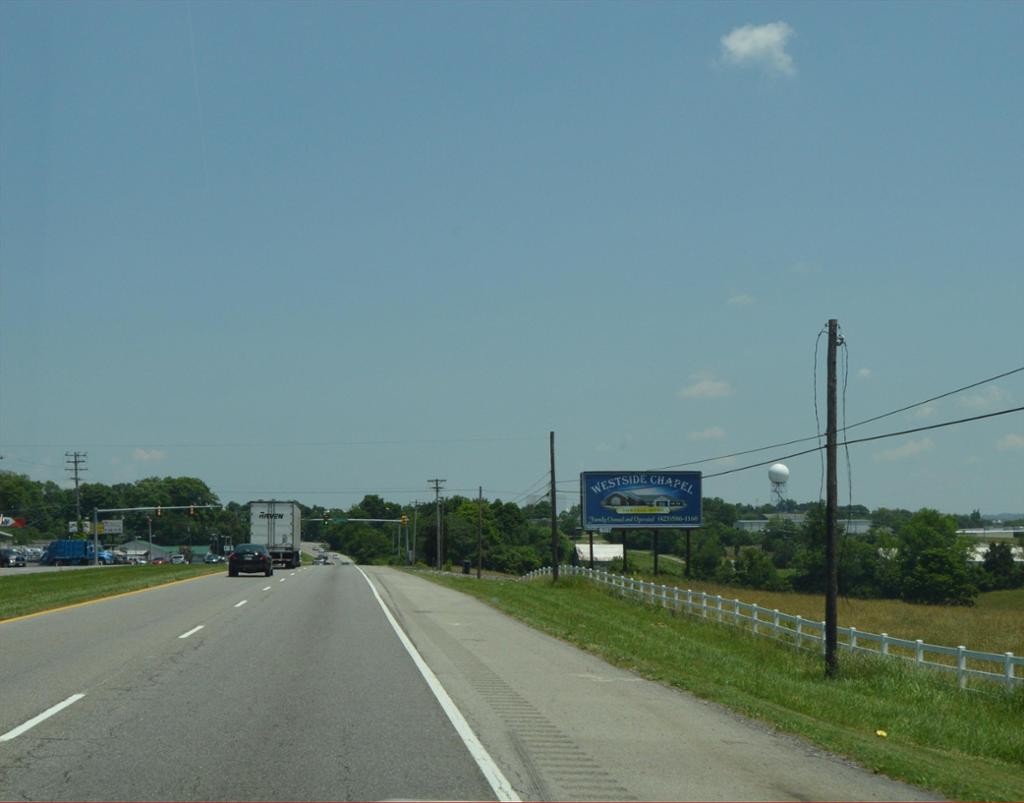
[(251, 559), (8, 557)]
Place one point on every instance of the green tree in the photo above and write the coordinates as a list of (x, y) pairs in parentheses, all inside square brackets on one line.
[(706, 552), (933, 564), (939, 577), (999, 569)]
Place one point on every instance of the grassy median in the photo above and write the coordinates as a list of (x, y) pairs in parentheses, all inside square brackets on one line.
[(41, 591), (963, 745)]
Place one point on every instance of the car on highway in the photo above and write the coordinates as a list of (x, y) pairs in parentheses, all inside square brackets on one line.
[(10, 558), (250, 559), (211, 558)]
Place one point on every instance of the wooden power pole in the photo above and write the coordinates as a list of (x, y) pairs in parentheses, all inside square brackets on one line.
[(831, 505), (554, 515)]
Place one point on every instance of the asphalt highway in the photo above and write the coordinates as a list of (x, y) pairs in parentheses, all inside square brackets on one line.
[(295, 688), (348, 683)]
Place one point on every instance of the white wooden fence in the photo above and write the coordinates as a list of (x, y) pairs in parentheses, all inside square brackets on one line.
[(808, 633)]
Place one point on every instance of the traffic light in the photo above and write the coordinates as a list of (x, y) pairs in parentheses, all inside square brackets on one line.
[(405, 519), (158, 513), (191, 510)]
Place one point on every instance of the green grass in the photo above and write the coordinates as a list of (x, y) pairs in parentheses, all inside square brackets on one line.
[(994, 624), (964, 745), (41, 591)]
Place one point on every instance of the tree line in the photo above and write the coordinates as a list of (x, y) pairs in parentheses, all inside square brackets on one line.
[(915, 556)]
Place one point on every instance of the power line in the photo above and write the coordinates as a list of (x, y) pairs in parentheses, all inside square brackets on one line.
[(846, 428), (281, 444), (867, 439)]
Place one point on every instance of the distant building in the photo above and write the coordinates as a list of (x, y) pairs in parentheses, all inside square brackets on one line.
[(603, 553), (851, 526)]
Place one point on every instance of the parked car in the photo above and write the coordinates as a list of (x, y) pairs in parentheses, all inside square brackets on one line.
[(178, 559), (10, 558), (158, 561), (251, 559)]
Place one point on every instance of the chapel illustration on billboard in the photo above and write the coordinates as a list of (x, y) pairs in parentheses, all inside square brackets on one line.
[(642, 500)]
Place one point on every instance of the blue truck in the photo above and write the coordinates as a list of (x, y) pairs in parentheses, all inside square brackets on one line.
[(73, 552)]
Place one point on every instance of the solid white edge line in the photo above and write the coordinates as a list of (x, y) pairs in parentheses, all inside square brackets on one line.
[(192, 632), (240, 604), (49, 712), (495, 777)]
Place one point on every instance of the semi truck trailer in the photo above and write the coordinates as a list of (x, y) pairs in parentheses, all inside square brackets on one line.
[(278, 526)]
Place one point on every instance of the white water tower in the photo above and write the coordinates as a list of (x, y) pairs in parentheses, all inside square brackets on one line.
[(779, 475)]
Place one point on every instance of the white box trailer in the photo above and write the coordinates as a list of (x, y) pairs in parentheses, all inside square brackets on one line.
[(278, 526)]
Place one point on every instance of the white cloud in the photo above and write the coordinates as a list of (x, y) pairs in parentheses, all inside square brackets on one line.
[(1011, 441), (762, 46), (705, 386), (741, 300), (907, 450), (709, 434), (986, 400), (923, 412), (864, 373), (148, 455)]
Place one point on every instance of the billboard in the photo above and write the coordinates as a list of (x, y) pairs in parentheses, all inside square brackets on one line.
[(640, 499)]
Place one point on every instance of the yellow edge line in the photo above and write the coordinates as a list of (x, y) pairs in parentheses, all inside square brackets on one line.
[(104, 599)]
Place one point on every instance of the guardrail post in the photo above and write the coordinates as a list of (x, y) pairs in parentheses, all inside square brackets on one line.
[(664, 596), (675, 598), (919, 652), (961, 666), (704, 604), (754, 608), (775, 623), (799, 632), (689, 601), (853, 639), (718, 597), (1008, 658), (736, 612), (885, 644), (823, 637)]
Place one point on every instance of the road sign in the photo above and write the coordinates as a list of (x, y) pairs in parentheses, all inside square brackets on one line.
[(86, 526), (112, 527)]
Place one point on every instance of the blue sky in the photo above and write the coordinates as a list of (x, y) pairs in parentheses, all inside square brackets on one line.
[(317, 250)]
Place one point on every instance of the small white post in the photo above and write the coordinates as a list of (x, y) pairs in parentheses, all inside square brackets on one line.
[(885, 644), (775, 622), (799, 632), (753, 616), (853, 639), (919, 652), (1008, 658), (961, 666)]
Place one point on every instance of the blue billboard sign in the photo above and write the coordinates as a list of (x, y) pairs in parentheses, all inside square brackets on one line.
[(640, 499)]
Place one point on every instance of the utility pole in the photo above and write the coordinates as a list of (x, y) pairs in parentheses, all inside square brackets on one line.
[(75, 459), (415, 514), (479, 531), (831, 504), (437, 502), (554, 515)]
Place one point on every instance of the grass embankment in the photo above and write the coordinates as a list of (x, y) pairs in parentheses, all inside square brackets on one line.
[(994, 624), (964, 745), (40, 591)]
